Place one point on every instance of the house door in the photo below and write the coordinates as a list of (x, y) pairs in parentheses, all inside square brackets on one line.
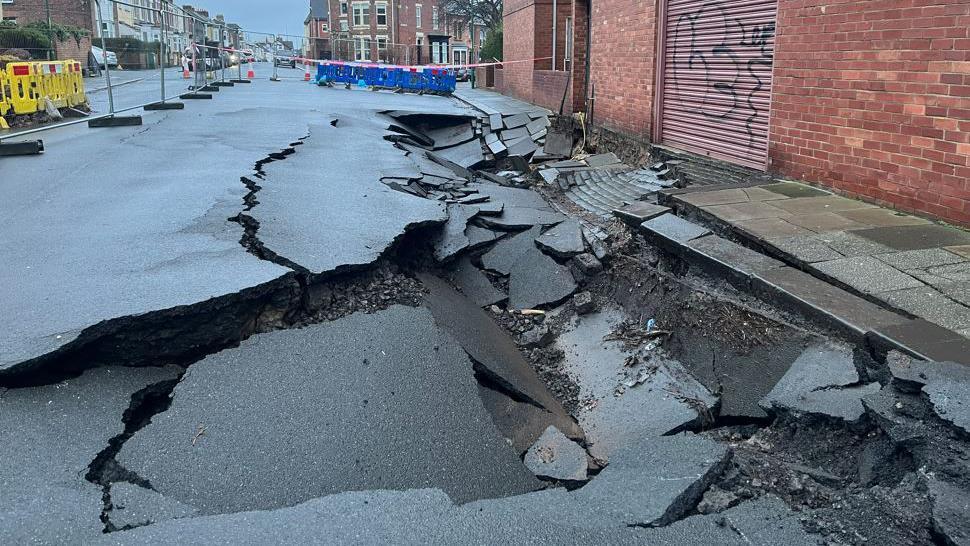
[(715, 78)]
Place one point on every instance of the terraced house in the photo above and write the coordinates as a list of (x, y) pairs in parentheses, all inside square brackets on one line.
[(868, 98)]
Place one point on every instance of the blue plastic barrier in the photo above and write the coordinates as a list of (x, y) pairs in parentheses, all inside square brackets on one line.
[(411, 79)]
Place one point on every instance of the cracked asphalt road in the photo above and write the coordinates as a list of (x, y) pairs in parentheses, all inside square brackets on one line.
[(232, 325)]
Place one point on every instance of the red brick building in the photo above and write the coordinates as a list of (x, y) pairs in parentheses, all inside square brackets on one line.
[(870, 98), (75, 13)]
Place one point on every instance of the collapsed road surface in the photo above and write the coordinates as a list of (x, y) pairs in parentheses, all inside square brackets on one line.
[(351, 319)]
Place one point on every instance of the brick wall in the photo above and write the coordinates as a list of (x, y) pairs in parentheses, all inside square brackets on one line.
[(873, 98), (519, 39), (548, 87), (622, 64), (76, 13), (76, 50)]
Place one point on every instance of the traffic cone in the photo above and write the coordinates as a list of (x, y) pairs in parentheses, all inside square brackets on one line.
[(250, 73), (306, 75), (185, 73)]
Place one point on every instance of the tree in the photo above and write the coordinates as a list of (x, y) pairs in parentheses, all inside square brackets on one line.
[(492, 48), (482, 12)]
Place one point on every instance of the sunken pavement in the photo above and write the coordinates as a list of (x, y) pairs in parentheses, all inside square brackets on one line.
[(366, 317)]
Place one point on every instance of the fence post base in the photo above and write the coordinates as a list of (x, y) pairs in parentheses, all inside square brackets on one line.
[(274, 79), (224, 84), (241, 81), (115, 121), (165, 106), (210, 89), (28, 147), (191, 96)]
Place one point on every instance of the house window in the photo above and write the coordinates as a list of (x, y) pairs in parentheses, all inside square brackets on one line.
[(361, 15), (417, 15), (382, 42), (382, 15), (434, 17), (361, 49), (343, 8), (344, 26), (569, 44), (459, 29)]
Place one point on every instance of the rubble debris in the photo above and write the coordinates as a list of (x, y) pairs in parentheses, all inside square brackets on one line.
[(565, 240), (446, 137), (536, 279), (602, 160), (654, 482), (822, 381), (495, 145), (466, 156), (512, 135), (556, 457), (585, 266), (473, 283), (516, 120), (51, 437), (583, 302), (600, 252), (134, 506), (523, 147), (479, 236), (549, 175), (523, 208), (537, 337), (452, 238), (951, 505), (507, 251), (322, 379)]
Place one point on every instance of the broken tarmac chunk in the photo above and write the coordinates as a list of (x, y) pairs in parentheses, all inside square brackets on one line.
[(583, 302), (950, 507), (537, 337), (822, 381), (556, 457), (507, 251), (474, 284), (454, 135), (585, 266), (565, 240), (452, 239), (655, 481), (536, 280), (344, 415)]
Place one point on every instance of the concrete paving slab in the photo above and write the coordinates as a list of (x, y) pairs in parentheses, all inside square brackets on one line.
[(347, 218), (772, 228), (556, 457), (822, 381), (522, 208), (564, 240), (808, 249), (655, 481), (516, 120), (849, 244), (923, 339), (602, 160), (466, 156), (673, 228), (928, 303), (558, 143), (537, 124), (756, 193), (536, 280), (824, 222), (494, 353), (507, 251), (882, 217), (511, 135), (479, 236), (639, 212), (522, 147), (133, 506), (729, 258), (473, 283), (867, 274), (920, 259), (345, 416), (953, 272), (962, 250), (916, 237), (454, 135), (452, 239), (959, 291), (716, 197), (794, 189), (48, 437), (746, 211), (827, 203)]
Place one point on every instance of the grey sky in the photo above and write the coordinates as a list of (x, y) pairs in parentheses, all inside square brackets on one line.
[(275, 16)]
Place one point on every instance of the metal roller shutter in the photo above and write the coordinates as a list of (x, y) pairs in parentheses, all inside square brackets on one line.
[(716, 78)]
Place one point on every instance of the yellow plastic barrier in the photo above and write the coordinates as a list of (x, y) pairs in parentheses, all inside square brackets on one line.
[(26, 86)]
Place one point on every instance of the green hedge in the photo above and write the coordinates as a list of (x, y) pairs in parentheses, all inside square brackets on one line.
[(492, 48), (23, 38), (127, 44)]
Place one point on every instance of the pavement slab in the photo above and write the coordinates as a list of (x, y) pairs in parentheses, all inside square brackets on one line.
[(823, 222), (920, 259), (923, 339), (794, 189), (816, 205), (564, 240), (516, 120), (639, 212), (48, 438), (879, 217), (317, 220), (559, 144), (962, 250), (716, 197), (656, 481), (556, 457), (822, 381), (772, 228), (915, 237), (867, 274), (507, 251), (954, 272), (536, 280), (731, 258), (808, 249), (746, 211), (474, 284), (674, 228), (345, 416), (479, 236), (137, 244), (522, 208), (849, 244), (454, 135), (466, 156), (602, 160), (452, 238), (930, 304)]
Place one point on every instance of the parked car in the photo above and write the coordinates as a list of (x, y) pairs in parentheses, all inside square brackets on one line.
[(97, 57), (463, 74), (208, 57), (286, 59)]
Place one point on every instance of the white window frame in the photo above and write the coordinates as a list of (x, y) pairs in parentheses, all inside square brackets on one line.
[(361, 19), (344, 8), (377, 14), (417, 15), (344, 25), (434, 17), (361, 48), (380, 48), (568, 56)]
